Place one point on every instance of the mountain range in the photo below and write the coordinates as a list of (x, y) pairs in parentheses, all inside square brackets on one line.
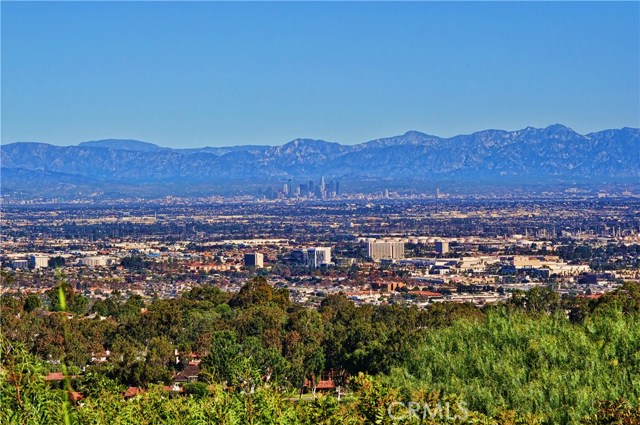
[(531, 155)]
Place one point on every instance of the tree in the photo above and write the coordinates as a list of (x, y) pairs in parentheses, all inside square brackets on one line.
[(224, 349), (130, 310), (63, 297), (56, 262), (95, 384), (626, 298), (303, 348), (265, 322), (258, 291), (138, 365), (537, 300), (444, 314), (32, 302), (208, 293), (159, 360), (135, 263), (6, 278), (105, 308)]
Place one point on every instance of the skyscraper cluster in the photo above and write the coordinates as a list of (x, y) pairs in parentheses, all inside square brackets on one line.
[(306, 190)]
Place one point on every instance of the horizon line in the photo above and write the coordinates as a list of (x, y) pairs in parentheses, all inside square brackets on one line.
[(317, 140)]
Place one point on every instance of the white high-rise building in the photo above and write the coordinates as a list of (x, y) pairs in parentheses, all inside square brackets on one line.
[(20, 264), (38, 262), (385, 250), (254, 259), (442, 247), (319, 256), (99, 261)]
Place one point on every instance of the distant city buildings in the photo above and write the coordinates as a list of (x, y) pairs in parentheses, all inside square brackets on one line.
[(254, 259), (99, 261), (385, 250), (312, 257), (38, 262), (162, 251), (442, 247), (34, 261), (320, 256), (20, 264), (310, 190), (300, 256)]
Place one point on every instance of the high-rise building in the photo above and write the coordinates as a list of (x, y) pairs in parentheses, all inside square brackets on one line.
[(300, 256), (320, 189), (254, 259), (337, 188), (289, 189), (98, 261), (385, 250), (319, 256), (38, 261), (442, 247), (20, 264)]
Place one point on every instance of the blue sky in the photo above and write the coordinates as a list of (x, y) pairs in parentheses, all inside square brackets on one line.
[(211, 73)]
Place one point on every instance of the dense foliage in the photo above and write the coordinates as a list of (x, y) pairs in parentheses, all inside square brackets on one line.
[(537, 359), (547, 365), (609, 257)]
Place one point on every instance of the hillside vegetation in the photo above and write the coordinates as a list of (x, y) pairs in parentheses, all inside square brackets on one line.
[(538, 359)]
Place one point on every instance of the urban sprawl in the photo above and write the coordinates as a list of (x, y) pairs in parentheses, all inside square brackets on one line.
[(379, 250)]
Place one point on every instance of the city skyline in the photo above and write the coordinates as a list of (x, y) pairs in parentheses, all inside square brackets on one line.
[(198, 74)]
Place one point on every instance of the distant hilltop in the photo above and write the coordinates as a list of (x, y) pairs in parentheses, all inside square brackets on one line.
[(531, 155)]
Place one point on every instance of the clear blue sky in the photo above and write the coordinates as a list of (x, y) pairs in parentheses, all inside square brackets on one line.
[(209, 73)]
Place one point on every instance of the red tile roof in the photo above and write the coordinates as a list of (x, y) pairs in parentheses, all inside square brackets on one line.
[(132, 392), (75, 396), (426, 293), (326, 385), (54, 376)]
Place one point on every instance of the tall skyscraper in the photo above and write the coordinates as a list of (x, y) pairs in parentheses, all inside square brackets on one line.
[(337, 188)]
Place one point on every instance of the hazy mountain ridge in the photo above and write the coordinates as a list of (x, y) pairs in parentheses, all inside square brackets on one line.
[(124, 144), (555, 152)]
